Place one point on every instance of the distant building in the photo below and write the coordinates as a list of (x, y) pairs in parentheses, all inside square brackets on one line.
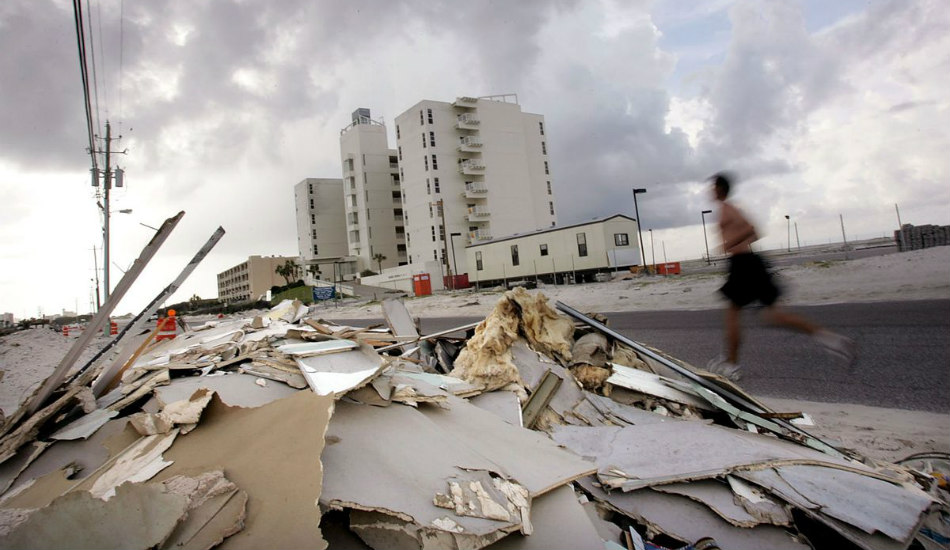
[(372, 198), (573, 252), (250, 280), (7, 320), (321, 229), (485, 161)]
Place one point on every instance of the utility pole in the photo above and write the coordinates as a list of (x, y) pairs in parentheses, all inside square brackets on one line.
[(900, 228), (107, 184), (636, 211), (95, 265), (797, 241)]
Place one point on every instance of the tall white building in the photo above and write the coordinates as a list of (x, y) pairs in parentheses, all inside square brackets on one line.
[(321, 229), (372, 195), (481, 163)]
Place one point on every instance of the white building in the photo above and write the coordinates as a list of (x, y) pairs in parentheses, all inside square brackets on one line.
[(372, 195), (558, 254), (321, 225), (471, 170)]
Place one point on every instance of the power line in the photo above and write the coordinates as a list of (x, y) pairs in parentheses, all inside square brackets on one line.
[(121, 54), (95, 77), (84, 74)]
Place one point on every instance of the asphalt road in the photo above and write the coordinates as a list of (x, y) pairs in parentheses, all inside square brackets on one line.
[(903, 351)]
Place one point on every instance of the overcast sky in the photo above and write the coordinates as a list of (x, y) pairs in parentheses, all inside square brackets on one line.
[(821, 108)]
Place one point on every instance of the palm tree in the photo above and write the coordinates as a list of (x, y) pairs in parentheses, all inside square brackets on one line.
[(288, 270), (314, 270), (379, 261)]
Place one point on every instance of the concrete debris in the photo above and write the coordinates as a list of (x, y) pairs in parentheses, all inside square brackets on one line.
[(533, 430)]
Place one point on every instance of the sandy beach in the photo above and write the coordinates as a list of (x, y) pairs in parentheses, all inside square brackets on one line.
[(28, 356)]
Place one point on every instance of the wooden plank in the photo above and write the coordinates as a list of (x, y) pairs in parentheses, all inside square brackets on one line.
[(540, 398)]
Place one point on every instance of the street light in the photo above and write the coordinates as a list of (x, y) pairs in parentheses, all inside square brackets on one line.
[(636, 211), (652, 251), (704, 234), (788, 233), (455, 266)]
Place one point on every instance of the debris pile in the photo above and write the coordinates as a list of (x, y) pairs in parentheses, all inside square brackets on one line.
[(535, 428)]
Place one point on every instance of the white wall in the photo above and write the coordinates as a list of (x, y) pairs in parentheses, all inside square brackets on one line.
[(400, 278), (326, 218)]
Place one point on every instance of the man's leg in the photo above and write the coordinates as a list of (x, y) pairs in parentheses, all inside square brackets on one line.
[(834, 343), (778, 316)]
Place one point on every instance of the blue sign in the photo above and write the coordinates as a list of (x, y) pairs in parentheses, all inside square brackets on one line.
[(322, 293)]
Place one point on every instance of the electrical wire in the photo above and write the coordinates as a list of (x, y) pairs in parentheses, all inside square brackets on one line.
[(95, 78), (84, 74)]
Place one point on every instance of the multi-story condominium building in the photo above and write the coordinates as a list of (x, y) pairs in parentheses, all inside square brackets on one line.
[(471, 169), (252, 279), (321, 224), (372, 204)]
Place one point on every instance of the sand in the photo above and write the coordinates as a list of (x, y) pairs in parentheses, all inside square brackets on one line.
[(28, 356)]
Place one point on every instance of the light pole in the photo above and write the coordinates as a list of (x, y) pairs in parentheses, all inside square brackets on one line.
[(788, 233), (636, 211), (704, 234), (455, 266)]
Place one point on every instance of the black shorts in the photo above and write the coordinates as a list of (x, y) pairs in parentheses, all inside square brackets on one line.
[(749, 280)]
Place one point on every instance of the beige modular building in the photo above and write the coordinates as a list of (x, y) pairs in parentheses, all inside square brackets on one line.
[(471, 170), (372, 195), (560, 254), (250, 280)]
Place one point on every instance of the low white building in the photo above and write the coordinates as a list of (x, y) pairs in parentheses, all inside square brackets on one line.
[(570, 253)]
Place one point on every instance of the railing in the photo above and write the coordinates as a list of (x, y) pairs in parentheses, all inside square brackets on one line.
[(467, 119), (475, 188), (471, 141), (479, 235), (471, 165), (478, 212)]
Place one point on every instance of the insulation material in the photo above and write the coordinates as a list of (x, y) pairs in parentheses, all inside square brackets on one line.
[(623, 355), (591, 349), (547, 332), (559, 522), (686, 520), (681, 451), (216, 510), (486, 359), (273, 453), (139, 516), (337, 373), (592, 378)]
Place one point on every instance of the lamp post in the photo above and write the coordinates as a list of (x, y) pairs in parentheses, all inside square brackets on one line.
[(788, 233), (636, 211), (704, 234), (455, 266)]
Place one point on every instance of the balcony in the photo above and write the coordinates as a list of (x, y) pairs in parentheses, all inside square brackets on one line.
[(472, 167), (478, 236), (466, 102), (470, 144), (475, 190), (467, 121), (476, 213)]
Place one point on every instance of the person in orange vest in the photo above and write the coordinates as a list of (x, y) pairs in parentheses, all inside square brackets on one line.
[(167, 326)]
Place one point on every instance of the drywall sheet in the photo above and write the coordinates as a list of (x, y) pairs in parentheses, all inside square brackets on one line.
[(758, 503), (531, 364), (395, 461), (273, 453), (559, 522), (139, 462), (717, 496), (622, 414), (775, 483), (636, 456), (235, 389), (337, 373), (307, 349), (216, 510), (399, 319), (138, 516), (503, 404), (655, 385), (687, 520), (529, 456), (456, 386), (24, 457), (85, 426)]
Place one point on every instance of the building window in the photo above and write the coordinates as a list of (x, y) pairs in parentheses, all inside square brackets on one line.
[(421, 119), (399, 149), (435, 181), (549, 188), (397, 131), (397, 195), (314, 233), (551, 207), (546, 171), (544, 250), (540, 127), (433, 228), (620, 239), (401, 248), (400, 230), (441, 233), (544, 148), (310, 187), (313, 219), (435, 162), (315, 250), (514, 255), (430, 215), (478, 261), (423, 140), (425, 160), (582, 244), (429, 114), (428, 189), (435, 255), (432, 139)]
